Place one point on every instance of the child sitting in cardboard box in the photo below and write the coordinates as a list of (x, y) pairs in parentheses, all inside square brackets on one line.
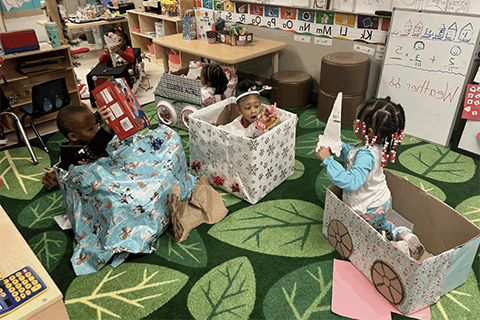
[(363, 181), (254, 119)]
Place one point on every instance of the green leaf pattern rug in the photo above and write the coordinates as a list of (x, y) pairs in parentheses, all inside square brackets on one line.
[(264, 261)]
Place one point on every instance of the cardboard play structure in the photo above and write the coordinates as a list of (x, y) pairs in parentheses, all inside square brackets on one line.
[(247, 168), (451, 242), (177, 96)]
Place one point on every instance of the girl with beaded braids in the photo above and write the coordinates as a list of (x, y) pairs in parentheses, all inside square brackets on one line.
[(380, 124)]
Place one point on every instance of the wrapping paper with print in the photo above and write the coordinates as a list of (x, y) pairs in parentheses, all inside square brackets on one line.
[(247, 168), (118, 204)]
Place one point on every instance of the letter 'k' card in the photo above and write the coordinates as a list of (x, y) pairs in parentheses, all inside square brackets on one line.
[(471, 107)]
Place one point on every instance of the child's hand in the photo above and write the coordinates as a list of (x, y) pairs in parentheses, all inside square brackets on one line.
[(324, 153), (105, 50), (49, 179), (116, 49), (105, 115)]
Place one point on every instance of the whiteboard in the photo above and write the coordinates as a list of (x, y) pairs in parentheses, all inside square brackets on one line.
[(428, 62)]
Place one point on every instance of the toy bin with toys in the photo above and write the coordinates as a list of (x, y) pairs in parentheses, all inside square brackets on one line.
[(451, 242), (178, 94), (248, 168)]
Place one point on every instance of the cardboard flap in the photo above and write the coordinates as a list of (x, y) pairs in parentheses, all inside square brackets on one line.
[(228, 114), (439, 226)]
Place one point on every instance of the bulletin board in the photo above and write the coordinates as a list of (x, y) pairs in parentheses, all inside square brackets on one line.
[(428, 63)]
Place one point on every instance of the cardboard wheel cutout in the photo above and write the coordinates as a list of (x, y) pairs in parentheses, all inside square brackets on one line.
[(387, 282), (340, 238), (166, 113), (185, 112)]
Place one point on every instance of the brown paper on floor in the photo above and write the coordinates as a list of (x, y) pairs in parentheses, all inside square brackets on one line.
[(205, 206)]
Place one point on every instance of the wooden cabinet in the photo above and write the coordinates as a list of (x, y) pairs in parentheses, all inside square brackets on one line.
[(145, 21), (52, 63)]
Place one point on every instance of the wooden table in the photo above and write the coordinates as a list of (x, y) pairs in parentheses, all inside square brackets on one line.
[(15, 254), (71, 25), (230, 55)]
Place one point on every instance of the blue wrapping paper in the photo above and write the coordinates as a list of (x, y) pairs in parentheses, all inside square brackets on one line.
[(118, 204)]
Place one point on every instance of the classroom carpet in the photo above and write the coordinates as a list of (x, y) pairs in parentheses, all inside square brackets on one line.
[(254, 264)]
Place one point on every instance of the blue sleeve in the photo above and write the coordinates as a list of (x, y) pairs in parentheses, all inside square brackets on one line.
[(354, 178), (345, 150)]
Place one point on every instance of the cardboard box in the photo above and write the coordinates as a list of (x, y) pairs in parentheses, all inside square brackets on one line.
[(450, 239), (127, 114), (224, 37), (177, 96), (247, 168)]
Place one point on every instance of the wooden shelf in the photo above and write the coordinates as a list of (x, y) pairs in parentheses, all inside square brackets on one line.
[(146, 21), (21, 84)]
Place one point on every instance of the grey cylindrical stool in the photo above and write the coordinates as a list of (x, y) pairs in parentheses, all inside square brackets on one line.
[(291, 89), (345, 72)]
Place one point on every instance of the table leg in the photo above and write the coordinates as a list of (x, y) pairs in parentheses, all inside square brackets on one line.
[(166, 66), (275, 56)]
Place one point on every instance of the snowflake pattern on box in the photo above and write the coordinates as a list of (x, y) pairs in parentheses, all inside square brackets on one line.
[(422, 282), (249, 166)]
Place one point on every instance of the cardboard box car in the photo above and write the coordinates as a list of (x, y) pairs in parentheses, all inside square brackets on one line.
[(247, 168), (177, 96), (450, 239)]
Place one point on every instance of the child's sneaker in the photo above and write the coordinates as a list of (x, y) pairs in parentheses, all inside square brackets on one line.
[(402, 245), (3, 139), (416, 247)]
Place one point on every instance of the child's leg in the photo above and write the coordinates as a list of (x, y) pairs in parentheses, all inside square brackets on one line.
[(414, 244), (376, 218)]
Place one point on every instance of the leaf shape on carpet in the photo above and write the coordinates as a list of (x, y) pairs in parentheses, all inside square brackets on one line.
[(305, 293), (49, 247), (470, 208), (190, 252), (290, 228), (298, 172), (438, 163), (460, 303), (39, 213), (308, 119), (225, 292), (21, 179), (129, 291)]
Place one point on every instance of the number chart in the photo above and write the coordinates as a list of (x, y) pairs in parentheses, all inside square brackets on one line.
[(428, 62)]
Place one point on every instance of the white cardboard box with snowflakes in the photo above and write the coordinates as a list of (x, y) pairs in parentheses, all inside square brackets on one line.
[(248, 168)]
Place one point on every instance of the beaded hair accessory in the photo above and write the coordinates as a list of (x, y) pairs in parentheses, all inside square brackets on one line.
[(252, 91)]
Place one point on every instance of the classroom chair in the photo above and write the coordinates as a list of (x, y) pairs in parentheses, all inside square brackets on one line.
[(47, 97), (7, 110)]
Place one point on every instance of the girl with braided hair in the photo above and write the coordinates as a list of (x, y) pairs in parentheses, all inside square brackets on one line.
[(380, 124)]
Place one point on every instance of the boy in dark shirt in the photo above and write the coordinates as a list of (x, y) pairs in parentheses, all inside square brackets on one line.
[(87, 134)]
